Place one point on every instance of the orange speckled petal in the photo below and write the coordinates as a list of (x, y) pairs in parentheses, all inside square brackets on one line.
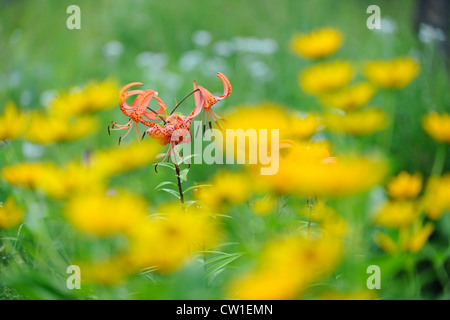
[(226, 86)]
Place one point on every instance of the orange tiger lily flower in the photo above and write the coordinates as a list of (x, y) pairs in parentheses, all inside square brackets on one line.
[(204, 100), (175, 132), (137, 111)]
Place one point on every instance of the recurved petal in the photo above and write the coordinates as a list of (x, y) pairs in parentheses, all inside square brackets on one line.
[(199, 102), (226, 86), (128, 86)]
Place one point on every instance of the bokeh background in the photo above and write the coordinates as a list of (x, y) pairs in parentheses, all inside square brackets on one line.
[(168, 44)]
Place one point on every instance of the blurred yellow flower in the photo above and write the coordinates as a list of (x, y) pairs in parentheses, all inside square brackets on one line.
[(350, 98), (437, 196), (286, 266), (107, 273), (10, 214), (95, 96), (292, 161), (410, 239), (104, 215), (12, 122), (385, 242), (46, 129), (404, 185), (392, 74), (265, 115), (253, 119), (437, 126), (304, 127), (397, 214), (166, 241), (326, 77), (26, 175), (71, 179), (417, 237), (358, 123), (309, 170), (264, 206), (264, 285), (125, 158), (226, 188), (317, 44)]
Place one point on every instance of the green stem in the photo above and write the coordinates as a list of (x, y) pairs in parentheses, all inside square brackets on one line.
[(180, 189), (160, 116), (183, 100), (439, 160)]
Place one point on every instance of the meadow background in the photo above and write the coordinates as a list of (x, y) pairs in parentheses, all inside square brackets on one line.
[(168, 44)]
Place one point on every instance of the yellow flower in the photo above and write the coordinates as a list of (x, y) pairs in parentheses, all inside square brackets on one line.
[(26, 175), (405, 185), (107, 273), (350, 98), (226, 188), (303, 128), (308, 170), (410, 239), (326, 77), (253, 123), (104, 215), (286, 266), (125, 158), (168, 240), (12, 122), (318, 44), (267, 115), (263, 285), (10, 214), (437, 196), (358, 123), (70, 180), (46, 129), (385, 242), (416, 239), (393, 74), (95, 96), (397, 214), (263, 207), (437, 126)]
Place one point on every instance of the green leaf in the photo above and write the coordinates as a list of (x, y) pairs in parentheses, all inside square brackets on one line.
[(183, 174), (165, 183), (197, 186), (189, 157), (173, 192), (165, 164), (220, 264)]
